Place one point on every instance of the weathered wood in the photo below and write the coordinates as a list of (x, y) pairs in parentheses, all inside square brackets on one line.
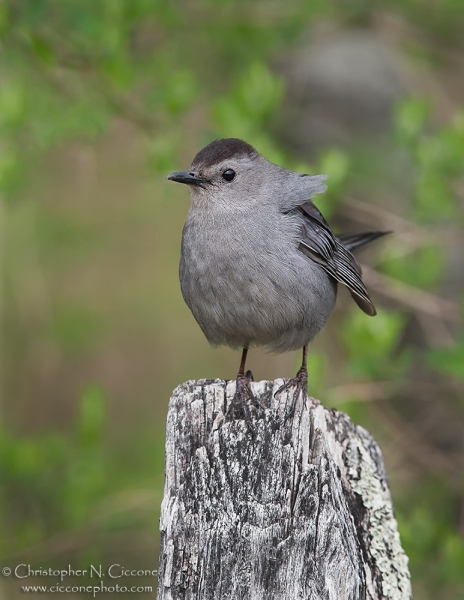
[(300, 508)]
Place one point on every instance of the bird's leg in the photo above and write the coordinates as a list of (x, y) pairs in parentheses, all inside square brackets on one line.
[(300, 381), (241, 369), (239, 405)]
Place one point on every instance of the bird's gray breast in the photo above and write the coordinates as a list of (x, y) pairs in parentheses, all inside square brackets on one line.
[(247, 283)]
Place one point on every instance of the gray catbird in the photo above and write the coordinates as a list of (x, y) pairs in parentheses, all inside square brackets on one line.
[(259, 263)]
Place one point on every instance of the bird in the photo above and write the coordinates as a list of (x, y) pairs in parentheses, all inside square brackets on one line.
[(259, 264)]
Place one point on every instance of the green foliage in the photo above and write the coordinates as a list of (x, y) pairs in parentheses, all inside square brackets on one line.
[(182, 74), (316, 371), (438, 157), (91, 418), (76, 328), (54, 481), (424, 530), (248, 107), (412, 116), (423, 268), (372, 344), (335, 164), (449, 361), (250, 103)]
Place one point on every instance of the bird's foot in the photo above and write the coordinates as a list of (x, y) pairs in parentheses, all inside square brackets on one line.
[(239, 407), (300, 383)]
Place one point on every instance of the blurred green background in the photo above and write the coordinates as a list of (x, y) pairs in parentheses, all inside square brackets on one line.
[(98, 102)]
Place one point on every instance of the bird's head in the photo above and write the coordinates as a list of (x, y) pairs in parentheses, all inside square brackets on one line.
[(232, 174)]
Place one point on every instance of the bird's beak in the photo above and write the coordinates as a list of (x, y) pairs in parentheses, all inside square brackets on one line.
[(187, 177)]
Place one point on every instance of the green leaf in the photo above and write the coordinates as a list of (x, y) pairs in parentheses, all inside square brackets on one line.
[(434, 200), (334, 163), (371, 343), (250, 103), (411, 116)]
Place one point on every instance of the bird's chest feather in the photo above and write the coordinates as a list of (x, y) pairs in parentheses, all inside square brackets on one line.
[(220, 260)]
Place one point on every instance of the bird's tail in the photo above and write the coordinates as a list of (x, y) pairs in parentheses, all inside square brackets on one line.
[(355, 241)]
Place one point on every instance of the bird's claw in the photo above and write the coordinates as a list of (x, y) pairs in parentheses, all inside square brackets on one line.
[(239, 406), (300, 382)]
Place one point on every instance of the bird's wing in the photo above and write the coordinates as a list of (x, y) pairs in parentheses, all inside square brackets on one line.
[(320, 244)]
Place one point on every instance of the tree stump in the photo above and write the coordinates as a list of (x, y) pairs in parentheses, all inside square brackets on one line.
[(298, 508)]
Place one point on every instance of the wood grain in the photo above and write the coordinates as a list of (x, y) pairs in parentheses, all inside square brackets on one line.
[(297, 508)]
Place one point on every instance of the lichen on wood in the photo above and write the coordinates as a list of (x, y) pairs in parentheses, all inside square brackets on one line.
[(297, 508)]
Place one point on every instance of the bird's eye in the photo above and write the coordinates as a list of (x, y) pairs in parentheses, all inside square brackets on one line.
[(228, 174)]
